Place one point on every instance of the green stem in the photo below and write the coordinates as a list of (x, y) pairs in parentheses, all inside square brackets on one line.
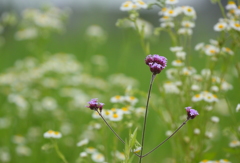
[(113, 130), (145, 117), (59, 153), (141, 35), (221, 8), (167, 138)]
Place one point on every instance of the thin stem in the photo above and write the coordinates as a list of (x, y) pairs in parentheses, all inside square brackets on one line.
[(59, 152), (221, 8), (113, 130), (167, 138), (145, 117)]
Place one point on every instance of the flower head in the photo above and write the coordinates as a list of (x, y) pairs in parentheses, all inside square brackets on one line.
[(52, 134), (191, 112), (156, 63), (94, 105)]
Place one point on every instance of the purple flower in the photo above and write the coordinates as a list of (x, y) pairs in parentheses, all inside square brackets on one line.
[(94, 105), (191, 112), (156, 63)]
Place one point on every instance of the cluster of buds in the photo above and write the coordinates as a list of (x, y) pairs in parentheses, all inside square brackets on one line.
[(94, 105), (156, 63)]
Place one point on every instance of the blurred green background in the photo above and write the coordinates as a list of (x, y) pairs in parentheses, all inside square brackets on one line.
[(124, 55)]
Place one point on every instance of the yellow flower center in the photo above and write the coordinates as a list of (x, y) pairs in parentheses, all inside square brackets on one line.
[(231, 2), (189, 10), (117, 97), (197, 95), (212, 51), (237, 25), (125, 109), (115, 115), (220, 26), (170, 11)]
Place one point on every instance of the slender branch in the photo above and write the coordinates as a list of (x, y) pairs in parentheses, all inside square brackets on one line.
[(221, 8), (167, 138), (111, 128), (113, 131), (145, 117), (59, 153)]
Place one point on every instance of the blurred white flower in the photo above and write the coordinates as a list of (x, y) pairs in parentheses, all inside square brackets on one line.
[(83, 142), (49, 103), (98, 157), (52, 134)]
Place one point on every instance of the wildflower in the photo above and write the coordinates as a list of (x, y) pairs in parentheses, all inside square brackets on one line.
[(188, 71), (176, 48), (214, 88), (189, 11), (127, 6), (224, 161), (171, 13), (235, 25), (234, 143), (49, 103), (52, 134), (82, 142), (238, 108), (226, 86), (94, 105), (171, 73), (98, 157), (156, 63), (199, 46), (227, 50), (165, 19), (177, 63), (192, 113), (171, 2), (131, 99), (117, 98), (167, 24), (209, 134), (23, 150), (170, 87), (137, 150), (140, 4), (205, 161), (168, 133), (215, 119), (220, 26), (83, 154), (188, 24), (26, 34), (119, 155), (186, 31), (195, 87), (211, 50), (231, 5), (116, 116), (125, 110), (196, 131), (91, 150)]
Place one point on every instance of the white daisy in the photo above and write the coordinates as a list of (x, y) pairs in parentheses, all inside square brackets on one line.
[(98, 157)]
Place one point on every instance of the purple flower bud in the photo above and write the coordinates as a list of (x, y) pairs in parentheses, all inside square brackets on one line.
[(156, 63), (149, 59), (94, 105), (100, 106), (191, 113)]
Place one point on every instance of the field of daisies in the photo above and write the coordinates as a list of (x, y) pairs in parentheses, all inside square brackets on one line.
[(146, 82)]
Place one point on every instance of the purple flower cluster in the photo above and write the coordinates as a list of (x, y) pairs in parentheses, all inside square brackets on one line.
[(191, 113), (94, 105), (156, 63)]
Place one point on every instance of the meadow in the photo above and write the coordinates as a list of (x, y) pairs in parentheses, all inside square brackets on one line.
[(56, 60)]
